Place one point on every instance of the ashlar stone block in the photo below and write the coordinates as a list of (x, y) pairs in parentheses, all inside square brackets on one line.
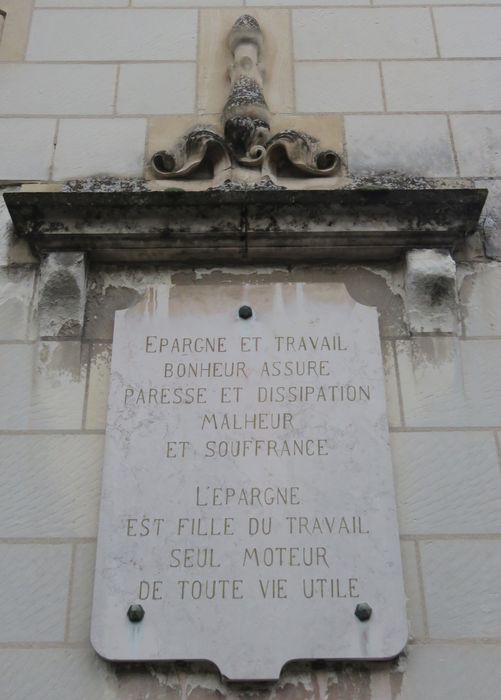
[(99, 379), (58, 674), (113, 35), (157, 88), (16, 26), (16, 361), (37, 137), (409, 144), (57, 395), (446, 382), (50, 485), (16, 298), (345, 33), (35, 581), (447, 482), (478, 144), (417, 627), (463, 598), (439, 671), (479, 296), (430, 291), (482, 39), (104, 147), (81, 594)]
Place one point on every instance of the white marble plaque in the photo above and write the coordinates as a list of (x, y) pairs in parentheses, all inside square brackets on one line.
[(248, 502)]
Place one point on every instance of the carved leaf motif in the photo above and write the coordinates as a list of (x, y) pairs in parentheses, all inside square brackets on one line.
[(199, 144), (303, 152)]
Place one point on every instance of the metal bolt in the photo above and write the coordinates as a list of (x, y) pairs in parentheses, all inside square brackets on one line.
[(363, 611), (135, 613), (245, 312)]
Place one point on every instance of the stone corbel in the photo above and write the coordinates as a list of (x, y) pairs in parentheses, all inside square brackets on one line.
[(62, 295), (430, 291), (246, 139)]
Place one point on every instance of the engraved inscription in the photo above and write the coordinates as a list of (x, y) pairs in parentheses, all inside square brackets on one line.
[(252, 462)]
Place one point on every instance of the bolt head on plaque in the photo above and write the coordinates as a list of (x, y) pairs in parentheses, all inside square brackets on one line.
[(245, 312), (135, 613), (363, 611)]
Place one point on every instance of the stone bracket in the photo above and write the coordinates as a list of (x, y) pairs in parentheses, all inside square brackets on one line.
[(360, 223), (62, 295), (430, 291)]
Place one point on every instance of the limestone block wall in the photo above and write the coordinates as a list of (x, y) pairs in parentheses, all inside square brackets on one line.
[(87, 89)]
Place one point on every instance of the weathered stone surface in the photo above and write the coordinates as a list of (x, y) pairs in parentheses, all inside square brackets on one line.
[(97, 392), (113, 35), (16, 297), (58, 390), (214, 56), (61, 295), (15, 32), (105, 147), (37, 137), (483, 37), (391, 385), (366, 220), (164, 88), (479, 296), (62, 673), (81, 592), (111, 289), (34, 592), (415, 614), (478, 143), (418, 86), (363, 33), (402, 143), (447, 482), (450, 383), (51, 485), (357, 87), (370, 286), (12, 249), (16, 361), (438, 671), (430, 291), (463, 599), (60, 89)]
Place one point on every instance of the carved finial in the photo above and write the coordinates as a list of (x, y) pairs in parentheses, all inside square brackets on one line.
[(246, 122)]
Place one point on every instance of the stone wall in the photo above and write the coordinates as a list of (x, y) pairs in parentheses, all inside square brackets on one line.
[(87, 89)]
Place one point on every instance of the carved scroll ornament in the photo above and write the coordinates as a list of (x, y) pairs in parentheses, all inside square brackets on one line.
[(246, 139)]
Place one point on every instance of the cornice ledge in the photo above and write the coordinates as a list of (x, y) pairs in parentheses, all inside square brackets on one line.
[(365, 220)]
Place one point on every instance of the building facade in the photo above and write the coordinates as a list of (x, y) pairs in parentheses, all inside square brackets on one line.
[(408, 95)]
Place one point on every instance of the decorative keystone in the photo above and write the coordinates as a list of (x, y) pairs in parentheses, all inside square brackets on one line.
[(245, 139), (135, 613), (363, 611)]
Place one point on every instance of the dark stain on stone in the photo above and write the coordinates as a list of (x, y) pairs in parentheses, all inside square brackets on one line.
[(438, 290), (101, 307)]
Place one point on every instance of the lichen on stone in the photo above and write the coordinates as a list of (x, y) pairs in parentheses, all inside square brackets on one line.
[(105, 184), (247, 22)]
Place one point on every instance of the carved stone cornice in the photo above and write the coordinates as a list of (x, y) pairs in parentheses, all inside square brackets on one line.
[(363, 221), (246, 139)]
